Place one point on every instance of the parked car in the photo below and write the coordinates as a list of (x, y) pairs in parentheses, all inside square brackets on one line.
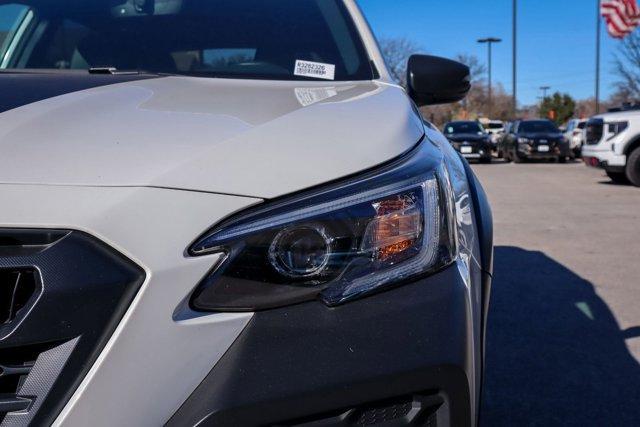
[(469, 139), (574, 133), (613, 143), (535, 139), (257, 229), (495, 128)]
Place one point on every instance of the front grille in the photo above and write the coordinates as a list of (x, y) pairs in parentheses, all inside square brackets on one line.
[(15, 366), (383, 413), (418, 410), (17, 290), (595, 131), (62, 293)]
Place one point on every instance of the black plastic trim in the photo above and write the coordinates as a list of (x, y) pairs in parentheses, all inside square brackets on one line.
[(87, 287), (307, 360), (14, 404)]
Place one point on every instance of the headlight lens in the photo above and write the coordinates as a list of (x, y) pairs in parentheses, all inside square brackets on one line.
[(524, 140), (338, 244)]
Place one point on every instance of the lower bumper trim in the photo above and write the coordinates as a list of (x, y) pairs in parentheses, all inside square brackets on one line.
[(305, 361)]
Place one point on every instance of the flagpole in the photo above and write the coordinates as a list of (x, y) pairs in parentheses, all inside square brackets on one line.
[(598, 37)]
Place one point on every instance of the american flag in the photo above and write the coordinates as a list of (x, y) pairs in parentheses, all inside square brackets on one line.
[(622, 16)]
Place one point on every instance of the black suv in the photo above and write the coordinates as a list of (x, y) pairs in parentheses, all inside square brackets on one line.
[(469, 139), (534, 139)]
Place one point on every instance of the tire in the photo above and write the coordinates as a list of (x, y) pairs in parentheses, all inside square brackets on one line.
[(562, 159), (517, 158), (486, 160), (618, 177), (633, 167)]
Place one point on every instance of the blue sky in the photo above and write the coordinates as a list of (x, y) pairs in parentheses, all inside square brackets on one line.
[(556, 38)]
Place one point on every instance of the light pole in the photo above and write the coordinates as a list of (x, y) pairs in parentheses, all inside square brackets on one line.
[(544, 90), (598, 31), (490, 41), (515, 63)]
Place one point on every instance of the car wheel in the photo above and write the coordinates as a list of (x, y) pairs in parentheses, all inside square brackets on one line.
[(633, 167), (486, 160), (618, 177), (517, 158), (562, 159)]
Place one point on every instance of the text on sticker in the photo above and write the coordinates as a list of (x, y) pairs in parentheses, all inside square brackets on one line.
[(315, 69)]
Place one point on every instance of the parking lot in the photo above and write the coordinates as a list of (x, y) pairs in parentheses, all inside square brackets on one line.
[(564, 332)]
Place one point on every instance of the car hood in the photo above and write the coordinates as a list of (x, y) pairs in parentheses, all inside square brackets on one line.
[(549, 136), (470, 137), (244, 137)]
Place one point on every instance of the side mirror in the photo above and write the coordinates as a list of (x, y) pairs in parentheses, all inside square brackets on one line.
[(432, 80)]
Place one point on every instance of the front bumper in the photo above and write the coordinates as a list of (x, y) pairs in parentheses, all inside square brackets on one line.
[(534, 152), (155, 352), (411, 347), (475, 150), (604, 158), (419, 344)]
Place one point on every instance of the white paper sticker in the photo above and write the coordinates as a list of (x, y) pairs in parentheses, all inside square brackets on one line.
[(315, 69)]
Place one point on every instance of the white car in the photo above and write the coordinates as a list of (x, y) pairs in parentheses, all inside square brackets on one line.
[(226, 213), (496, 129), (574, 133), (613, 144)]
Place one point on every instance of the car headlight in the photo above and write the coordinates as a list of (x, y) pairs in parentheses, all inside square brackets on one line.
[(336, 243), (522, 140)]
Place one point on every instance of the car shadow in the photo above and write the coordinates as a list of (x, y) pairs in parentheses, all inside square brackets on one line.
[(615, 184), (555, 354)]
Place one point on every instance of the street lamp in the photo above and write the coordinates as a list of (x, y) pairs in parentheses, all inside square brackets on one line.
[(490, 41), (544, 90)]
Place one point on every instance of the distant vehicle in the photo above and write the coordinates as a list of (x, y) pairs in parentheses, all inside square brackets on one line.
[(612, 142), (507, 129), (495, 128), (575, 134), (469, 139), (534, 139)]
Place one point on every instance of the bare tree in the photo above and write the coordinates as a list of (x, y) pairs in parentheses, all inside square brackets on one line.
[(477, 68), (627, 68), (396, 52)]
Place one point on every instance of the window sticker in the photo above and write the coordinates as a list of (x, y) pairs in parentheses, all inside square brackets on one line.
[(315, 69)]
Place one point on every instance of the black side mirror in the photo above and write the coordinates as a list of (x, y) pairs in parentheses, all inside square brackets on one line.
[(432, 80)]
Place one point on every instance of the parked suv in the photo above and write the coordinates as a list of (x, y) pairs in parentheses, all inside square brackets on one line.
[(613, 143), (575, 135), (534, 139), (469, 139), (495, 129), (227, 213)]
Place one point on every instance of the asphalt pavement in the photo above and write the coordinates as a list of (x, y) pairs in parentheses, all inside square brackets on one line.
[(564, 329)]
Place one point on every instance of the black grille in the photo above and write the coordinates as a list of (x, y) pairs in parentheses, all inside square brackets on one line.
[(383, 413), (15, 366), (419, 410), (62, 293), (595, 131), (17, 290)]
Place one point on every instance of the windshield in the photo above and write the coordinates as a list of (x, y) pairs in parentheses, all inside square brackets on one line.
[(284, 39), (494, 126), (539, 126), (464, 127)]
